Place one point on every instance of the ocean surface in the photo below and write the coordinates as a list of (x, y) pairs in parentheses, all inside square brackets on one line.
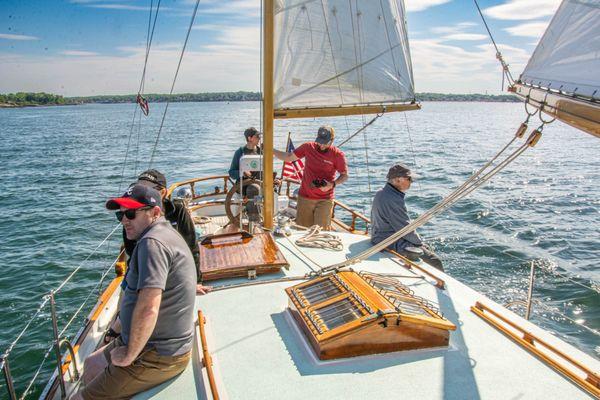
[(59, 165)]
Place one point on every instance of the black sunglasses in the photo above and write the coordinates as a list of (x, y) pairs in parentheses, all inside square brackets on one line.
[(130, 213)]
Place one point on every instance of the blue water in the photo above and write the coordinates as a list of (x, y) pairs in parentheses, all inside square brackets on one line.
[(59, 164)]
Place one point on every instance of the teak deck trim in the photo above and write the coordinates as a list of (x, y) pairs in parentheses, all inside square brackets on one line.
[(528, 340), (206, 358)]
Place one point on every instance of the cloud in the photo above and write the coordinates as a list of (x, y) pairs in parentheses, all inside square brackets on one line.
[(229, 64), (523, 9), (440, 67), (420, 5), (530, 29), (78, 53), (248, 8), (457, 32), (465, 36), (9, 36), (120, 7)]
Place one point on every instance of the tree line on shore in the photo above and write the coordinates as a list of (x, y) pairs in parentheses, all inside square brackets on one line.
[(22, 99)]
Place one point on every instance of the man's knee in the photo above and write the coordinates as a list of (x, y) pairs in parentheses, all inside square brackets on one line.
[(76, 396), (93, 365)]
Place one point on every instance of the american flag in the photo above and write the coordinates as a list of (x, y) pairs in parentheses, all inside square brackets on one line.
[(292, 170)]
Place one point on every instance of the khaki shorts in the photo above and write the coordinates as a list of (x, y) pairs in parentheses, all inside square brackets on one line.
[(314, 212), (148, 370)]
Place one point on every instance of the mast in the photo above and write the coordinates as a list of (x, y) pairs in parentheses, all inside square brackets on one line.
[(267, 128)]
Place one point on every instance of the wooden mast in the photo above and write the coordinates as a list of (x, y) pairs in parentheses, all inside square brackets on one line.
[(267, 128)]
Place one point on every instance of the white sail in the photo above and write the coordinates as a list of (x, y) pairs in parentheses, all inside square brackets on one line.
[(341, 52), (568, 55)]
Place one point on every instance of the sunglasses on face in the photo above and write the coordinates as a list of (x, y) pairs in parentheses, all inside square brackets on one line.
[(410, 179), (130, 213)]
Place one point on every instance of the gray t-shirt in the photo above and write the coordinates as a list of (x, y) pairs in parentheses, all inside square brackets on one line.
[(162, 259)]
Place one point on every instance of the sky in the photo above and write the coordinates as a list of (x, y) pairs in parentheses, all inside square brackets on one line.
[(93, 47)]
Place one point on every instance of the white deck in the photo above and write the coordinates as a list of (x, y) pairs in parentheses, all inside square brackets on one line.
[(259, 353)]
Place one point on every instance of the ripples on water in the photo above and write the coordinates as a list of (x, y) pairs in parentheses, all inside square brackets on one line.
[(59, 164)]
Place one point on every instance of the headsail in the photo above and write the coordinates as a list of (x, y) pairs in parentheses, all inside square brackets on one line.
[(563, 75), (347, 53), (568, 55)]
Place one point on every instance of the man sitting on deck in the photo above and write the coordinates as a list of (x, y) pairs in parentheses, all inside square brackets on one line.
[(389, 215), (156, 308), (322, 161)]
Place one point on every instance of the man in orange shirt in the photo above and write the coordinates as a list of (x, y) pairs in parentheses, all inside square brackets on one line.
[(322, 160)]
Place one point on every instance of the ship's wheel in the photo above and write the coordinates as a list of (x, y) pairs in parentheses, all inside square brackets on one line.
[(234, 202)]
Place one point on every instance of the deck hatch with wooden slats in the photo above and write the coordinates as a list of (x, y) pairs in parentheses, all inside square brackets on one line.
[(239, 254), (348, 314)]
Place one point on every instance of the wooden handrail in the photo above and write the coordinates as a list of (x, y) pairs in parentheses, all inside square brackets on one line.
[(411, 264), (206, 358), (532, 343), (192, 183), (355, 215)]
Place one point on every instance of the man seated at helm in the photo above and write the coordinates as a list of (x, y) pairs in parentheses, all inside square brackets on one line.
[(389, 215), (251, 147)]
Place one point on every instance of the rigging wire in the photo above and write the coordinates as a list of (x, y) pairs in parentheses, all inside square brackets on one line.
[(505, 69), (162, 122), (412, 150), (149, 36), (555, 272), (556, 311), (361, 129)]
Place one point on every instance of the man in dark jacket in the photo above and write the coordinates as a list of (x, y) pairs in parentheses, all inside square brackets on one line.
[(251, 147), (174, 211), (389, 215)]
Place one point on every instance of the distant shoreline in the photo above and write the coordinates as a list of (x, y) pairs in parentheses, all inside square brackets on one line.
[(21, 99)]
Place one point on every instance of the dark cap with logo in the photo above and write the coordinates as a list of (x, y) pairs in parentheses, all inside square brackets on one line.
[(136, 196), (248, 133), (325, 135), (400, 171), (152, 178)]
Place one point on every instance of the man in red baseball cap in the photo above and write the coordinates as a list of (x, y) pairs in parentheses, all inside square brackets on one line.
[(156, 310)]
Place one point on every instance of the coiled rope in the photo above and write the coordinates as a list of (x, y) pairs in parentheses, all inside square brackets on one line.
[(316, 239)]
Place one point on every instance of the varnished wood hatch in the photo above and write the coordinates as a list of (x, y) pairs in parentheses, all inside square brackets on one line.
[(348, 314), (239, 254)]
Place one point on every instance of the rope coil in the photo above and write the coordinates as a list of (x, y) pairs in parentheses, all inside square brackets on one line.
[(316, 239)]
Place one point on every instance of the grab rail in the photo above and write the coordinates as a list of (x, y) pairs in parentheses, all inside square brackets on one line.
[(206, 358), (528, 340)]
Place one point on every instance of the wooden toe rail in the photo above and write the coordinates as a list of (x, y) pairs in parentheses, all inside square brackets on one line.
[(409, 264), (563, 363), (206, 358)]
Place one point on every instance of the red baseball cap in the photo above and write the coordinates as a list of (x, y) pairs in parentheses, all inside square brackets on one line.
[(137, 196)]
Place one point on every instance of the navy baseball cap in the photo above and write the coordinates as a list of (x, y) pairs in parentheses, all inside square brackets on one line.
[(136, 196), (325, 135)]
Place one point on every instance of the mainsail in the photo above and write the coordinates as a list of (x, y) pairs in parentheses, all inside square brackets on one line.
[(333, 53), (563, 75)]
